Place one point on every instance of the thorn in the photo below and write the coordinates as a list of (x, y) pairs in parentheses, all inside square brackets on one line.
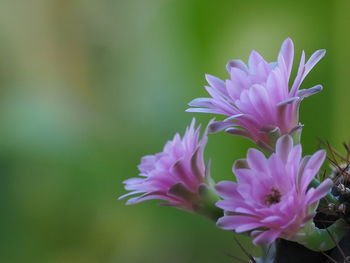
[(237, 258), (339, 248), (268, 250), (245, 251), (329, 257), (331, 150)]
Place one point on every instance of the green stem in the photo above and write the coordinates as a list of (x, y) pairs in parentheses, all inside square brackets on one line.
[(208, 199), (321, 239), (211, 212)]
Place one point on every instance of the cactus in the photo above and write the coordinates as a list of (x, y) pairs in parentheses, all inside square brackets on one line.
[(277, 199)]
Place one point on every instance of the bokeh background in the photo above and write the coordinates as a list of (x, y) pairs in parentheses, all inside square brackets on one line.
[(88, 87)]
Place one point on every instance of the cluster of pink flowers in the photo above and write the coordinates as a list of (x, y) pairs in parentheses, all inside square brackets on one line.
[(176, 175), (273, 197)]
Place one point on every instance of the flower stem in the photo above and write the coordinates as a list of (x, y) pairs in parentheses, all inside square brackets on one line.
[(207, 207)]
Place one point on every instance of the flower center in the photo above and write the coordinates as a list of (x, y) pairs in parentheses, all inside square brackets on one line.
[(273, 198)]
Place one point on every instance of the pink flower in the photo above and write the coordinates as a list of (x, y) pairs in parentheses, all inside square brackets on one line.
[(272, 197), (177, 175), (257, 97)]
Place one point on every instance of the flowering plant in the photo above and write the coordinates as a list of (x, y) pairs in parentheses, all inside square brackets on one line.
[(277, 196), (177, 175), (257, 97)]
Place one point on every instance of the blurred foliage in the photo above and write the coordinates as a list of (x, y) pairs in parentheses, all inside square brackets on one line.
[(88, 87)]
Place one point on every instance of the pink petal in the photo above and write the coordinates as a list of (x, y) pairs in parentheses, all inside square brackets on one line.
[(275, 86), (130, 193), (304, 69), (246, 227), (272, 220), (232, 222), (238, 132), (287, 52), (266, 237), (312, 167), (313, 60), (218, 126), (284, 146), (260, 100), (320, 191), (298, 78), (216, 83), (304, 93), (226, 188), (254, 60), (256, 160), (236, 63), (204, 110), (201, 102)]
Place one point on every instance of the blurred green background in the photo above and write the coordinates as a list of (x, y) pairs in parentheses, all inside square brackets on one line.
[(88, 87)]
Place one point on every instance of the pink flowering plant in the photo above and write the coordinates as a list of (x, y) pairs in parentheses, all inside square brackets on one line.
[(277, 195), (257, 99), (177, 175)]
